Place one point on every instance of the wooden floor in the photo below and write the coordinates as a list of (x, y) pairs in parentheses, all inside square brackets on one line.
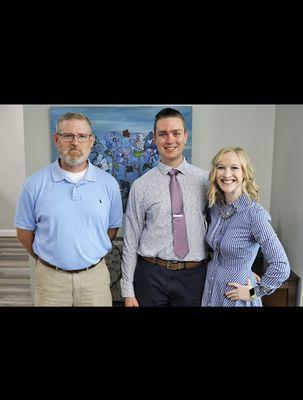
[(15, 286)]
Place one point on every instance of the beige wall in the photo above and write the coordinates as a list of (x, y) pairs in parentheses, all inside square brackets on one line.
[(12, 164), (287, 185), (37, 137)]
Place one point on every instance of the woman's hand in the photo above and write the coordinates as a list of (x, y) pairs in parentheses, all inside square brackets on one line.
[(241, 292)]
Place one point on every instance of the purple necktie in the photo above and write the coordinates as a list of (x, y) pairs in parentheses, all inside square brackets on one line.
[(179, 224)]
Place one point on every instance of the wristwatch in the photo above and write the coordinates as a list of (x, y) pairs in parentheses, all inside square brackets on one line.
[(252, 293)]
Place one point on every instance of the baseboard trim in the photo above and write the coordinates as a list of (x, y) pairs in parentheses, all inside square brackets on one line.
[(8, 232)]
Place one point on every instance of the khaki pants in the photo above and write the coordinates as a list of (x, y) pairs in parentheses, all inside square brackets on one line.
[(58, 288)]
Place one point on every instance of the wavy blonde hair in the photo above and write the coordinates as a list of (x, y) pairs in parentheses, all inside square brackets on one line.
[(249, 185)]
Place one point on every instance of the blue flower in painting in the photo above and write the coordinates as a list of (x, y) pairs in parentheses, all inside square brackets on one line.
[(148, 141), (105, 165), (97, 159), (113, 140), (137, 141), (101, 161), (123, 155), (98, 148), (137, 165), (97, 156), (151, 155)]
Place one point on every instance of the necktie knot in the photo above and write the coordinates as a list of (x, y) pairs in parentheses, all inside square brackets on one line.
[(173, 172)]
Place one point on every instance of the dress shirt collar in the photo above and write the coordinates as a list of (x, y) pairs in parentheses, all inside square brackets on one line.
[(242, 203), (164, 168)]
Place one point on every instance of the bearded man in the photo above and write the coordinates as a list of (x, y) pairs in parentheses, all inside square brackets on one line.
[(67, 215)]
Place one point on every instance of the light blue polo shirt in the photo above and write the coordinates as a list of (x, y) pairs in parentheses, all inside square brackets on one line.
[(70, 220)]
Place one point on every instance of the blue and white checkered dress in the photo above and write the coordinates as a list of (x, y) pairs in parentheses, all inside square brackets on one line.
[(236, 239)]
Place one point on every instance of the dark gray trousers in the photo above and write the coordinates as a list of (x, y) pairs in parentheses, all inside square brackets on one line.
[(157, 286)]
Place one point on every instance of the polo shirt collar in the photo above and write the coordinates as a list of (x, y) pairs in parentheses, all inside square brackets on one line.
[(58, 173), (90, 173)]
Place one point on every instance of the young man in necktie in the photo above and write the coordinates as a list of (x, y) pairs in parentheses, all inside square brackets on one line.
[(164, 253)]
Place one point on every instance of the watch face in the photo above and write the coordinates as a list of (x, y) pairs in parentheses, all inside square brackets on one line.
[(252, 291)]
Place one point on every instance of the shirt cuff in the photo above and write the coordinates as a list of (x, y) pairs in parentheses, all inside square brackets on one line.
[(262, 290), (127, 290)]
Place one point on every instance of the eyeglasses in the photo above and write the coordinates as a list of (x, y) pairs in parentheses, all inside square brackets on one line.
[(69, 137)]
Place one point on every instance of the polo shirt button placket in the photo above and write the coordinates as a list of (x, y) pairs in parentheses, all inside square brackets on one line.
[(75, 194)]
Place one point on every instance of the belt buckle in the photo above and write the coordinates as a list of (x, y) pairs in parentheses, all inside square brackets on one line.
[(182, 263), (168, 264), (174, 263)]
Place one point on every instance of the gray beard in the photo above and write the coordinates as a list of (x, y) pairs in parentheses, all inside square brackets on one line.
[(73, 161)]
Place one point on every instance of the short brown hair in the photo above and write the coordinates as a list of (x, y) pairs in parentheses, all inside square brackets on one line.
[(168, 113), (72, 115)]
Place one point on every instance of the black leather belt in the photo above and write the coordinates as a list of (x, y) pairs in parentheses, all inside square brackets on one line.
[(68, 270), (173, 265)]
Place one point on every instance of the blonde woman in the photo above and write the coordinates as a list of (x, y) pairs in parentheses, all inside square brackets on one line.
[(239, 226)]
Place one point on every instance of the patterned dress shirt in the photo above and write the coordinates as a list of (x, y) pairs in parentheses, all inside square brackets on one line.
[(236, 237), (148, 219)]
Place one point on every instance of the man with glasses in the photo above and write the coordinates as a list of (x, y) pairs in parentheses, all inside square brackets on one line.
[(66, 217)]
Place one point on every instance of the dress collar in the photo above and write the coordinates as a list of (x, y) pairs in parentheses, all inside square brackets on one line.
[(242, 203)]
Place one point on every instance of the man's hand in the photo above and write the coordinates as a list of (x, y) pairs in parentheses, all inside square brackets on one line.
[(112, 232), (131, 302), (26, 238)]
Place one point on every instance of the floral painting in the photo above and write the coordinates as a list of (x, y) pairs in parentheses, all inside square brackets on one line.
[(123, 145)]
